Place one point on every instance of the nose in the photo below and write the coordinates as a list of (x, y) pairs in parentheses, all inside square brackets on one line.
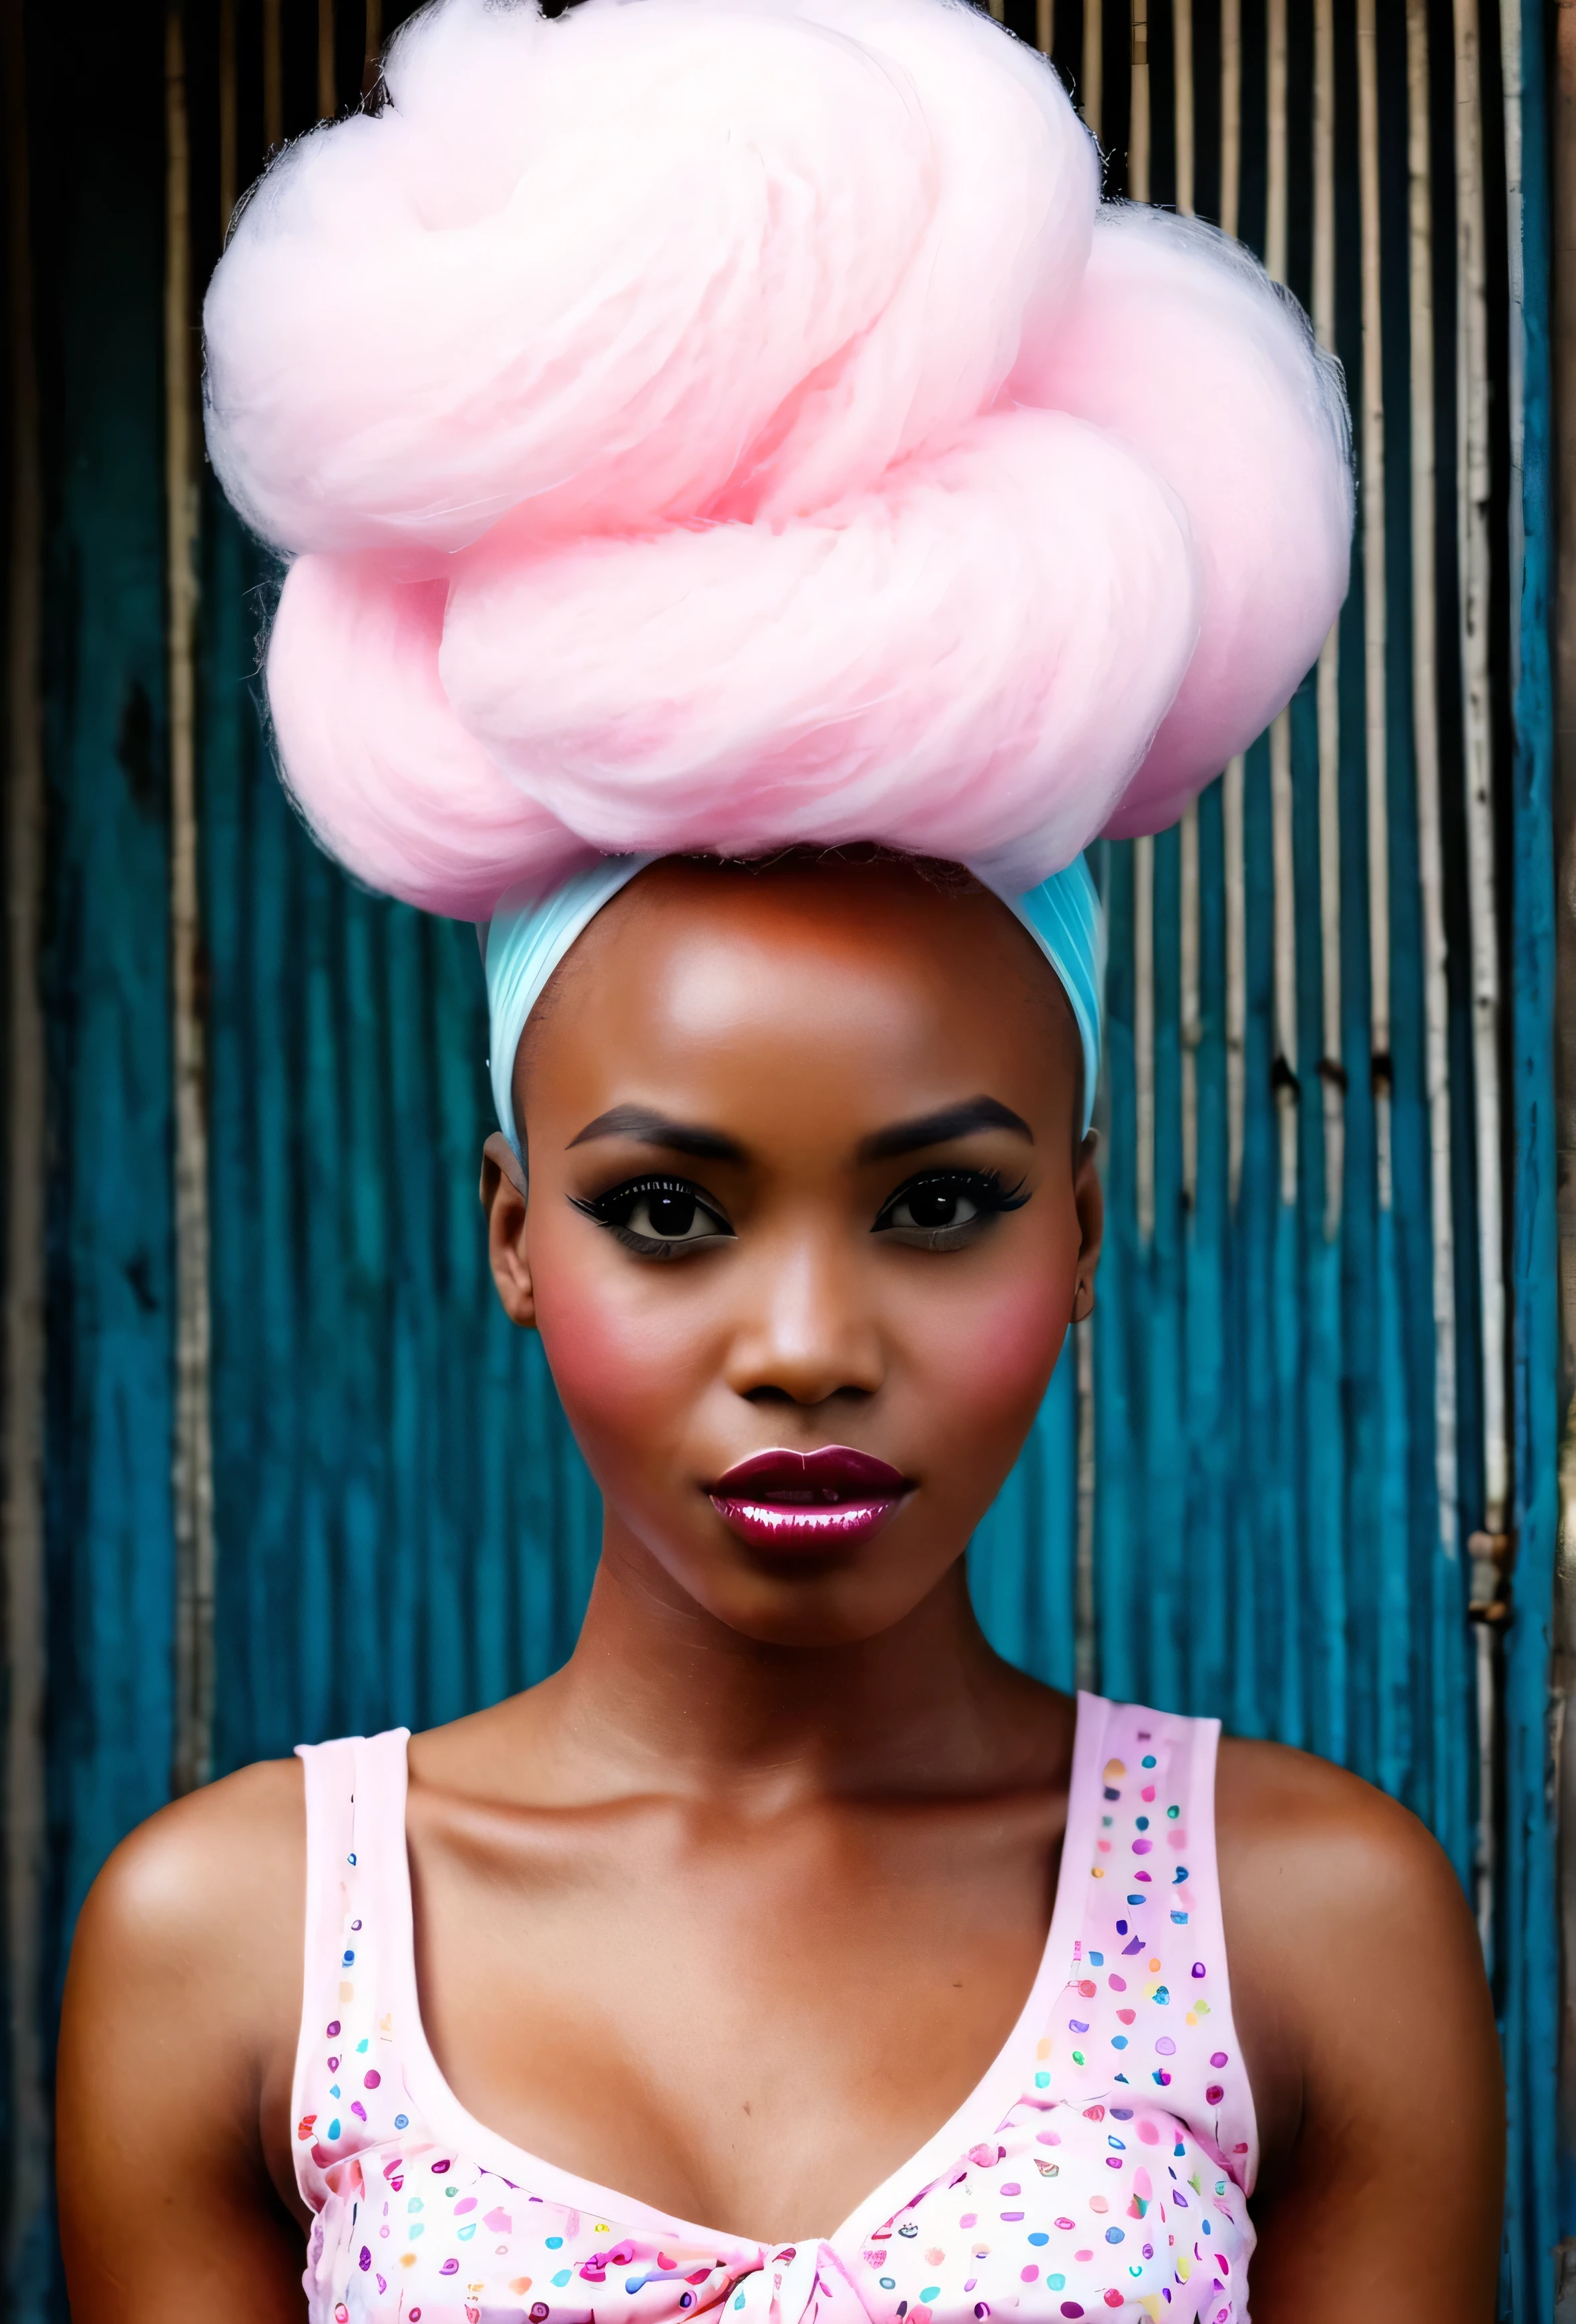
[(807, 1332)]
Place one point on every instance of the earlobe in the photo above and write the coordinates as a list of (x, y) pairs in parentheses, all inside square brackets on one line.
[(503, 1198)]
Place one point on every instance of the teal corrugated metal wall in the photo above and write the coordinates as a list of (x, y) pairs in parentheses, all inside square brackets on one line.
[(1231, 1504)]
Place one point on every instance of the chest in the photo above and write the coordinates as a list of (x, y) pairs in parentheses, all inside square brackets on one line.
[(746, 2028), (1077, 2167)]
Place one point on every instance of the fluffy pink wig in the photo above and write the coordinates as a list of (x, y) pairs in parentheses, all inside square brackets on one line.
[(715, 424)]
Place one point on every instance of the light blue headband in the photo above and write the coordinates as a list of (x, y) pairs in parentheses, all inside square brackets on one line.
[(527, 937)]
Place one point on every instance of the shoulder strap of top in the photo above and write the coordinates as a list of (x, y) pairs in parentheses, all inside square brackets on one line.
[(1151, 1999), (357, 1879)]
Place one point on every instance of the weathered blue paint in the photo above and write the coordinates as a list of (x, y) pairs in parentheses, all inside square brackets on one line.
[(1210, 1334), (1120, 1505), (1529, 1982), (111, 1570), (1324, 1608), (95, 206)]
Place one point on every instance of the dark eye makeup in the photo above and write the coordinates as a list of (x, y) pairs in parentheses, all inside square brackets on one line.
[(659, 1217), (946, 1210)]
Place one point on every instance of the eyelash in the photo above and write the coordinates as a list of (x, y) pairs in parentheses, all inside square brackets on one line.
[(986, 1190), (604, 1208)]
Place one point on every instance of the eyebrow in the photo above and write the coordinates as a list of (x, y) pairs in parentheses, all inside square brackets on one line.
[(648, 1128), (949, 1121)]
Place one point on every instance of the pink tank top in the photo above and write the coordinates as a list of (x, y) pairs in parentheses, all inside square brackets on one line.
[(1100, 2167)]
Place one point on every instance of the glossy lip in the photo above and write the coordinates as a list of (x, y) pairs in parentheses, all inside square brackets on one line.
[(814, 1502)]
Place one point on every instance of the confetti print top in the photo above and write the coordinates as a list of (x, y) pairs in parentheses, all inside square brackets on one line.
[(1099, 2170)]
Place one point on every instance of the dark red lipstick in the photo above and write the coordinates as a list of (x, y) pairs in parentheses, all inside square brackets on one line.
[(829, 1500)]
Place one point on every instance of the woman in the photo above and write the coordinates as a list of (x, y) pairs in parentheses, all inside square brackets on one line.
[(741, 574)]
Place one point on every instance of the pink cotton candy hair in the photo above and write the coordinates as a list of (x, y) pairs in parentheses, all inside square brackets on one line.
[(718, 424)]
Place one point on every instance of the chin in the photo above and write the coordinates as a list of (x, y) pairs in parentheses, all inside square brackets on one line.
[(839, 1600), (818, 1618)]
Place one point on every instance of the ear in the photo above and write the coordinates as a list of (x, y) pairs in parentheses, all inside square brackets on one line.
[(1088, 1196), (503, 1198)]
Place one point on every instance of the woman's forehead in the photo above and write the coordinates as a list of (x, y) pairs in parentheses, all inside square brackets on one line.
[(888, 918), (850, 990), (876, 944)]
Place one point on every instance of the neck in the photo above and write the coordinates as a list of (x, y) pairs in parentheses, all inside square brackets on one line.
[(661, 1695)]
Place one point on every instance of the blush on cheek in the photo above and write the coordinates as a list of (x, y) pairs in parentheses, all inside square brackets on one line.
[(999, 1356), (628, 1378), (605, 1366)]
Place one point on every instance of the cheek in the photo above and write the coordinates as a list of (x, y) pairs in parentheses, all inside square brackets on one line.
[(985, 1359), (999, 1354), (627, 1366)]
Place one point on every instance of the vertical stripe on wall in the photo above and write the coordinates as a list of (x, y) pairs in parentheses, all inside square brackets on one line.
[(1529, 1986), (1554, 290), (191, 1453), (24, 2115), (1474, 548)]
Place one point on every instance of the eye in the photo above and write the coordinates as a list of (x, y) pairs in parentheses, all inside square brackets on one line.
[(670, 1215), (933, 1206), (660, 1218), (945, 1210)]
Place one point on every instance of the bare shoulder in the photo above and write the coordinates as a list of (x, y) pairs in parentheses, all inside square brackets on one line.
[(188, 1953), (210, 1887), (1326, 1882), (1366, 2022), (1308, 1835), (177, 2037), (1327, 1886)]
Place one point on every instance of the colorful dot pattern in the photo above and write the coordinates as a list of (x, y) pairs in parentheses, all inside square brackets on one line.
[(1105, 2177)]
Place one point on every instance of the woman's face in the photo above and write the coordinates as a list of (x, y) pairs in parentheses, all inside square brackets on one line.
[(804, 1174)]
